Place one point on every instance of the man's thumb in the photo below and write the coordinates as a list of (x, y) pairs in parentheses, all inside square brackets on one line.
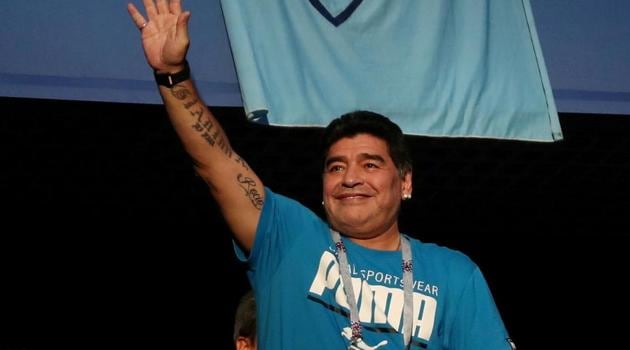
[(182, 26)]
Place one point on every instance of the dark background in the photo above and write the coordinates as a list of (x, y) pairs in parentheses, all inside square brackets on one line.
[(109, 239)]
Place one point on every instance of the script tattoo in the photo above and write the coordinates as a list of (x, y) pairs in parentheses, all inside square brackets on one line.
[(242, 162), (180, 93), (187, 105), (249, 186), (202, 123), (224, 145)]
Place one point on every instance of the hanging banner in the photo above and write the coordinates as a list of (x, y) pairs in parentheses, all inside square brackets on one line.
[(436, 67)]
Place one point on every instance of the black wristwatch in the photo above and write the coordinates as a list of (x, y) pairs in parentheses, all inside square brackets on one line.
[(169, 80)]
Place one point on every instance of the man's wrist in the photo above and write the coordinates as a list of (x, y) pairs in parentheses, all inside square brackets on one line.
[(169, 79)]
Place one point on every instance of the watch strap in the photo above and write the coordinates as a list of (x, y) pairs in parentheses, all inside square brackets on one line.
[(171, 79)]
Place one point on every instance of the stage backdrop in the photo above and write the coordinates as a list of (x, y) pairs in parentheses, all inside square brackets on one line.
[(90, 50)]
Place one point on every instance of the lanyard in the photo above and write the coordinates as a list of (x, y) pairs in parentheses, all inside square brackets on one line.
[(407, 268)]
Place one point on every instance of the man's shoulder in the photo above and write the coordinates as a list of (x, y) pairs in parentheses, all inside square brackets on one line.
[(275, 202), (280, 199), (442, 254)]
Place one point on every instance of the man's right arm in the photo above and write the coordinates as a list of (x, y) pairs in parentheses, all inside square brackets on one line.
[(236, 188)]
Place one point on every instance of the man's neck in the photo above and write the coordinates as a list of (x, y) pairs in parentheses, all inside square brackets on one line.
[(389, 241)]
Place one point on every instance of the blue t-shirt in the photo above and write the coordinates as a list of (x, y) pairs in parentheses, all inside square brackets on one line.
[(301, 303)]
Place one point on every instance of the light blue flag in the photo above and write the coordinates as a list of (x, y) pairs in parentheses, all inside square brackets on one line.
[(460, 68)]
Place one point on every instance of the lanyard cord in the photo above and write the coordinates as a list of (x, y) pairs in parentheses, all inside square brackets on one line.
[(407, 269)]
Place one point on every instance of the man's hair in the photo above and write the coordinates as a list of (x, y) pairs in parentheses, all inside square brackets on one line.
[(365, 122), (245, 318)]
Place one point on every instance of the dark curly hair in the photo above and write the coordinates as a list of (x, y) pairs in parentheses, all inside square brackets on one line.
[(366, 122)]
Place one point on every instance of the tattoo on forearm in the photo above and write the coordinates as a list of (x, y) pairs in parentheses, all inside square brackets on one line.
[(204, 127), (187, 105), (242, 162), (203, 124), (179, 92), (249, 186), (197, 113), (208, 138), (224, 146)]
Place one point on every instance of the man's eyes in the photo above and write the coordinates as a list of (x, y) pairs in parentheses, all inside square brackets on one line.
[(335, 169), (340, 168)]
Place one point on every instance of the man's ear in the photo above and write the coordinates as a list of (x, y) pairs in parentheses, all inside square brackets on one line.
[(406, 184), (244, 343)]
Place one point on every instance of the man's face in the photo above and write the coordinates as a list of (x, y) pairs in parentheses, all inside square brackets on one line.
[(363, 187)]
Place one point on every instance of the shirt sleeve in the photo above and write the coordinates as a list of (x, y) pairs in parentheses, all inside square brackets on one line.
[(477, 322), (281, 222)]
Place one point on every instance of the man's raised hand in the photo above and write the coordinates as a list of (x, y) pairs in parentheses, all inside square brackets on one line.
[(164, 33)]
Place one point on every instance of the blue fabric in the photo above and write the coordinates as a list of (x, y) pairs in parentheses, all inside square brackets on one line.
[(435, 67), (301, 305)]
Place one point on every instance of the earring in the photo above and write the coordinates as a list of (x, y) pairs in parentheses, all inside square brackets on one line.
[(322, 202), (406, 196)]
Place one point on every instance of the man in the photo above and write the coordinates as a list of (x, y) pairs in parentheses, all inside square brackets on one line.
[(355, 282), (245, 323)]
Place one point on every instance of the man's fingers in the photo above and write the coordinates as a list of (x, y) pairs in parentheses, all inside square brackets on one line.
[(136, 16), (150, 7), (162, 7), (175, 6)]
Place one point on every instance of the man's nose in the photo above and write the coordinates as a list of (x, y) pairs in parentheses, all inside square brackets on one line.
[(353, 176)]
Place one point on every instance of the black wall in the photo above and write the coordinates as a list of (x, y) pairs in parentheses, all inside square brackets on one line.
[(109, 239)]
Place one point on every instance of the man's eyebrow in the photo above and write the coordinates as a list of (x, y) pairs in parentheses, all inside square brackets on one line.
[(362, 156), (370, 156), (334, 159)]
